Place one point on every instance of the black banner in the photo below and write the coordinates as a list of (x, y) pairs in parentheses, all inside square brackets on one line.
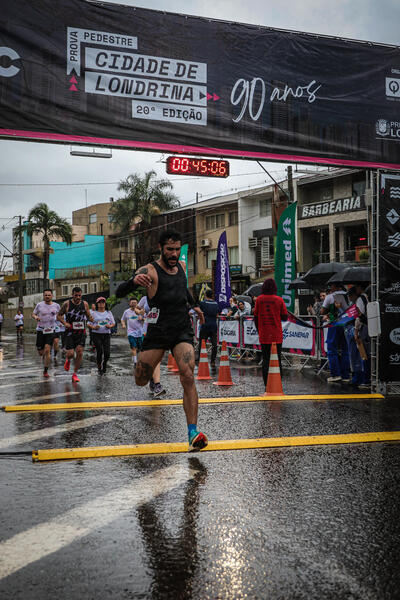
[(74, 71), (389, 278)]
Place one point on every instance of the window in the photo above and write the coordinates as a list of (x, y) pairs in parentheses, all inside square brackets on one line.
[(93, 287), (64, 290), (101, 228), (84, 287), (93, 218), (233, 255), (327, 191), (211, 255), (110, 218), (215, 221), (233, 218), (265, 208)]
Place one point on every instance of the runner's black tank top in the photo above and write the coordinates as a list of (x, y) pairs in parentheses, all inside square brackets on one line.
[(171, 298), (75, 312)]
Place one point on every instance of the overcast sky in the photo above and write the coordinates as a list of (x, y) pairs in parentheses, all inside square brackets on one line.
[(23, 163)]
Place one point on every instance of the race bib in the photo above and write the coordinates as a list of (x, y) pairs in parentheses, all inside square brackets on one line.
[(102, 323), (152, 316), (78, 325), (48, 330)]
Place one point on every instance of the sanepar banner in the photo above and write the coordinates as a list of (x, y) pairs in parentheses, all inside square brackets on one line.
[(83, 72)]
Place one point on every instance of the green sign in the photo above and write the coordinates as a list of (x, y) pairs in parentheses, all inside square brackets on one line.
[(235, 269), (184, 256), (285, 255)]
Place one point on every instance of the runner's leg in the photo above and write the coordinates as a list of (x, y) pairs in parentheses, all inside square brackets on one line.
[(184, 356), (106, 348), (78, 357), (97, 341), (148, 360)]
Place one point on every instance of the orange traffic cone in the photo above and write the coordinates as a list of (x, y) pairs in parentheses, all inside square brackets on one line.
[(171, 365), (204, 371), (224, 374), (274, 381)]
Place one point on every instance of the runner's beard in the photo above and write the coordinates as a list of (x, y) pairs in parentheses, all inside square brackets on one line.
[(166, 261)]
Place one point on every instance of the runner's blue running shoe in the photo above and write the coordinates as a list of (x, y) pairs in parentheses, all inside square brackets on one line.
[(197, 441)]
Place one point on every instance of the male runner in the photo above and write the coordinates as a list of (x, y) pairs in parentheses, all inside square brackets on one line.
[(169, 325), (45, 314), (156, 389), (76, 313), (133, 322)]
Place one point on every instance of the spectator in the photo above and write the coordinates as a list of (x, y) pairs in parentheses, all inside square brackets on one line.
[(269, 312), (355, 358), (315, 309), (243, 308), (209, 328), (338, 354), (361, 334), (233, 307)]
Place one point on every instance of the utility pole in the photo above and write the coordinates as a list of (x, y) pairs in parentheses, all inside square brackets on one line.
[(290, 184), (20, 266)]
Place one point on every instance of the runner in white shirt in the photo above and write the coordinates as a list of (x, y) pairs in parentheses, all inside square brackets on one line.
[(45, 314), (133, 321), (103, 322), (19, 322), (155, 382)]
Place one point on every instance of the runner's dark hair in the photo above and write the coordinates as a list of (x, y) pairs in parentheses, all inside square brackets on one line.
[(47, 290), (169, 234), (76, 289)]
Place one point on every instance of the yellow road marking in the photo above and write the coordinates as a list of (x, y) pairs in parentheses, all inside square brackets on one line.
[(140, 449), (132, 403)]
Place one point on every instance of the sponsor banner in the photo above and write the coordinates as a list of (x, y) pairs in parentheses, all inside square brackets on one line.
[(389, 340), (332, 207), (389, 277), (285, 255), (250, 334), (116, 75), (222, 284), (229, 332), (297, 337), (184, 256)]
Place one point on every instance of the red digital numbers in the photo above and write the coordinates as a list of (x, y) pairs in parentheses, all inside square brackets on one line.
[(183, 165)]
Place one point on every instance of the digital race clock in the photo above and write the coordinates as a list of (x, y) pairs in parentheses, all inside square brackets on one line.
[(207, 167)]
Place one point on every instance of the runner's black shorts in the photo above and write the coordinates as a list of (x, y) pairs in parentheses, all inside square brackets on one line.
[(43, 339), (165, 338), (72, 340)]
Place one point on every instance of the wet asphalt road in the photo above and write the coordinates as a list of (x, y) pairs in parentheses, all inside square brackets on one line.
[(286, 523)]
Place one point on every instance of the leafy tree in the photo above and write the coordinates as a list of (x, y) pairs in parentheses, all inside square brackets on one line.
[(143, 197), (42, 220)]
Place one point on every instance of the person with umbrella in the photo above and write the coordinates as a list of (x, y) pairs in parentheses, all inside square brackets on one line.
[(338, 353)]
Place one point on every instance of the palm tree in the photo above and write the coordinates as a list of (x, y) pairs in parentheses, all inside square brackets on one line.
[(44, 221), (144, 197)]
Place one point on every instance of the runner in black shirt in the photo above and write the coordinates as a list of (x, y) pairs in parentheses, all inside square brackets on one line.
[(169, 325), (76, 313)]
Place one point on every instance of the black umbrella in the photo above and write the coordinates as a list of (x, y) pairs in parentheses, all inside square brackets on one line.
[(352, 275), (323, 271), (253, 290), (298, 284)]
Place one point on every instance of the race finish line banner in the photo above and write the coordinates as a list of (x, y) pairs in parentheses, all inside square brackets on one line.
[(103, 74)]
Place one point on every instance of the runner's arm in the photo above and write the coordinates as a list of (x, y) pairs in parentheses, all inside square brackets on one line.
[(60, 316), (35, 315), (87, 310)]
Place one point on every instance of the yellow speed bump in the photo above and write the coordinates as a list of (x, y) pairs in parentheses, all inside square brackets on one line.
[(176, 402), (140, 449)]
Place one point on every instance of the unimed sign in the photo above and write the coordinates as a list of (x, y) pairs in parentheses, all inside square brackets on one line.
[(80, 72)]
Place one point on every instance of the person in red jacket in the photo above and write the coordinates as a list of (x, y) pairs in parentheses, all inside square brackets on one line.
[(270, 310)]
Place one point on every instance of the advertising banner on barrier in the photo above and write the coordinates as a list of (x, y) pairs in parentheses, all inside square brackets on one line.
[(108, 74), (297, 337), (389, 277), (229, 331), (250, 334)]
